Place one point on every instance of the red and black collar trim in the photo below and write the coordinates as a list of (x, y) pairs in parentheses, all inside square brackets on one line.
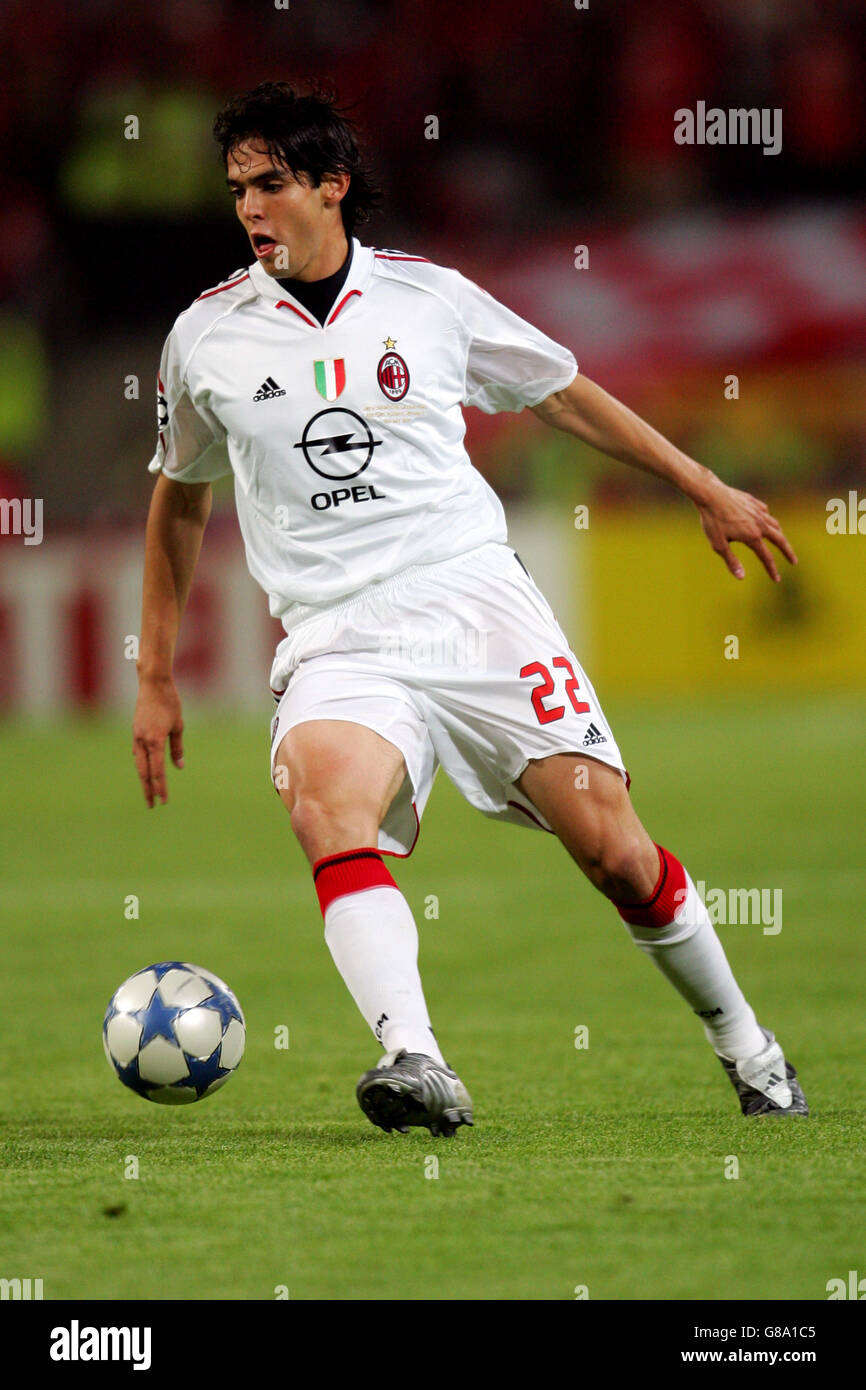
[(229, 285)]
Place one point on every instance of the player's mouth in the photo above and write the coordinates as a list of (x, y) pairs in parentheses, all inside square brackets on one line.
[(263, 245)]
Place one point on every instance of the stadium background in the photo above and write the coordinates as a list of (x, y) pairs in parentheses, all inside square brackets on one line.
[(702, 262), (555, 131)]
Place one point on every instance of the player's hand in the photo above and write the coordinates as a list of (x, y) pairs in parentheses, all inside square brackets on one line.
[(157, 718), (730, 515)]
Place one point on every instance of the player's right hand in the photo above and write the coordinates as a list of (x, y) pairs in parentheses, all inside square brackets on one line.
[(157, 718)]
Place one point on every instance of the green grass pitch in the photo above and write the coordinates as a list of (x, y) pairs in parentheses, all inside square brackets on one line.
[(601, 1167)]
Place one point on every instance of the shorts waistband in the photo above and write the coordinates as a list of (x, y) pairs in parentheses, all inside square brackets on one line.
[(310, 611)]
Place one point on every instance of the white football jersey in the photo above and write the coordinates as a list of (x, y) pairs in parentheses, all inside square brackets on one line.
[(346, 440)]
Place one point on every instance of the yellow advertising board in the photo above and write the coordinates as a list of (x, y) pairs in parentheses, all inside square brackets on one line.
[(659, 610)]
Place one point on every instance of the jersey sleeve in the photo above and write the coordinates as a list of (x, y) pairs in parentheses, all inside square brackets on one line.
[(510, 364), (191, 443)]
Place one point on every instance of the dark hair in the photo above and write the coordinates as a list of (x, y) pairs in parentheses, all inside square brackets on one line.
[(306, 133)]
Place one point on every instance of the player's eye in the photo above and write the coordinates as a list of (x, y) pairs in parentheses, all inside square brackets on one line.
[(269, 187)]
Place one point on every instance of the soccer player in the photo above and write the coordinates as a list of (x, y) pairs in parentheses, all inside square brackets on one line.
[(328, 377)]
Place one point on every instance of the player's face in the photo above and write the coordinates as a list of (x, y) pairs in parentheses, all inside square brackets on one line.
[(294, 229)]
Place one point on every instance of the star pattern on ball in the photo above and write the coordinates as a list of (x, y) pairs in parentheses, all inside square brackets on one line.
[(130, 1077), (222, 1005), (164, 967), (156, 1021), (135, 1030), (203, 1073)]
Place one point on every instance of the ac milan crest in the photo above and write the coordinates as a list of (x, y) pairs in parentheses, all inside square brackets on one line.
[(393, 376)]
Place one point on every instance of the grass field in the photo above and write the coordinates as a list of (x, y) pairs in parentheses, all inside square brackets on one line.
[(603, 1167)]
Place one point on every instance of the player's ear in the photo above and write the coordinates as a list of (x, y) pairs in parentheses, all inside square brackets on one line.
[(334, 187)]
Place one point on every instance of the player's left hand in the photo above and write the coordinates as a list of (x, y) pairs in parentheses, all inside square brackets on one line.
[(727, 515)]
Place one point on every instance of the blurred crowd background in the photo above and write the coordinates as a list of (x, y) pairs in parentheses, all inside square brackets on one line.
[(555, 130)]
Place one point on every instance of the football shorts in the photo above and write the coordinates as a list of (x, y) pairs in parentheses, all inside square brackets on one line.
[(459, 664)]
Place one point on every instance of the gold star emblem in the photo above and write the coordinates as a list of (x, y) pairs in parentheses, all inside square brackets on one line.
[(390, 342)]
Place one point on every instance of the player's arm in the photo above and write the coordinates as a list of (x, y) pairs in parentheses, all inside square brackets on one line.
[(175, 526), (727, 514)]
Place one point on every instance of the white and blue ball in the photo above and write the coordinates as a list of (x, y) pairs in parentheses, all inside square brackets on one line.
[(174, 1033)]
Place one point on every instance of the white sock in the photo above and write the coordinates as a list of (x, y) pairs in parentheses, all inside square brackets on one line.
[(689, 953), (373, 939)]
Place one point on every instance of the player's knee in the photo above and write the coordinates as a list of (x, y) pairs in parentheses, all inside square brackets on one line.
[(620, 867), (323, 827)]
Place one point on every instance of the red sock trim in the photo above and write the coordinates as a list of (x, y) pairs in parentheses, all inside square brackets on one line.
[(350, 872), (666, 899)]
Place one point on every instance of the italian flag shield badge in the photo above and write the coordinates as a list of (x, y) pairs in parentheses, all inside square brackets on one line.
[(330, 377)]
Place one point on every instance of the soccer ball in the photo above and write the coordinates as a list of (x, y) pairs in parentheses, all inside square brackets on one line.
[(174, 1033)]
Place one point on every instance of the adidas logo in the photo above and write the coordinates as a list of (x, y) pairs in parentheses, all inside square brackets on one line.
[(593, 735), (268, 390)]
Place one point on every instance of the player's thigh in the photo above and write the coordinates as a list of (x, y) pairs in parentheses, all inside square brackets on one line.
[(586, 804), (338, 766)]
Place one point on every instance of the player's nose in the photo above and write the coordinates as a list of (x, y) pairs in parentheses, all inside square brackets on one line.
[(249, 207)]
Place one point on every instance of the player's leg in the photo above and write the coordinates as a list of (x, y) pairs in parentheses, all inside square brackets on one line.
[(586, 804), (527, 705), (588, 807), (337, 780)]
